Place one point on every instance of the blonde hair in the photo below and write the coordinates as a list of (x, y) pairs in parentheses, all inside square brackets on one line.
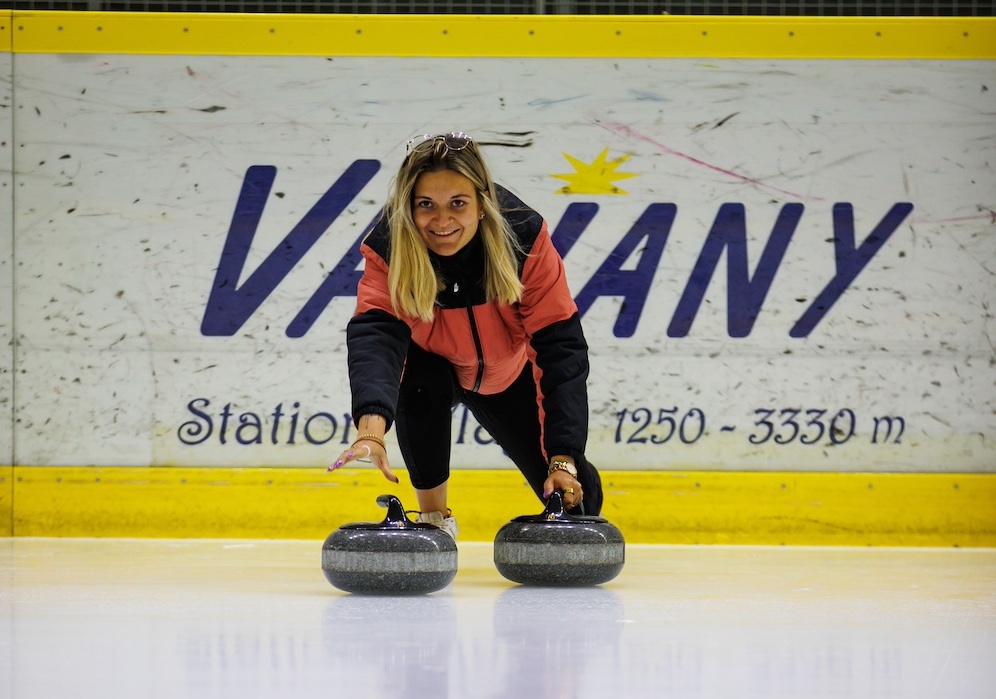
[(412, 280)]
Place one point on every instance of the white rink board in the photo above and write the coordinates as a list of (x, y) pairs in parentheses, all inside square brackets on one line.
[(129, 173), (6, 265)]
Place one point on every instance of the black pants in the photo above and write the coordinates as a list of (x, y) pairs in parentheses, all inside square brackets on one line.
[(423, 424)]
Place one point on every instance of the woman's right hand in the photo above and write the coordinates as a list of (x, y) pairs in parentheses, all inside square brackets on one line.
[(366, 450)]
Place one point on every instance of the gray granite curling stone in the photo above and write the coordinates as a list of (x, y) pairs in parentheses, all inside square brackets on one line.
[(393, 557), (557, 549)]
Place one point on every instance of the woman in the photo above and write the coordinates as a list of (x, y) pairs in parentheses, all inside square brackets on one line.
[(464, 299)]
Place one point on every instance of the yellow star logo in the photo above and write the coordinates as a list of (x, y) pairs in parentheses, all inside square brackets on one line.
[(594, 178)]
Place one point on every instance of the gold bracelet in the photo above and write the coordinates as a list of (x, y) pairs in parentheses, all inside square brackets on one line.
[(372, 438)]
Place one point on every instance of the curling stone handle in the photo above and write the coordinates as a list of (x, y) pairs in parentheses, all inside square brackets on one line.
[(555, 508), (395, 510)]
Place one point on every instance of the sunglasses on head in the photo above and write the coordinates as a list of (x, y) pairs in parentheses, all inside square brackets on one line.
[(457, 140)]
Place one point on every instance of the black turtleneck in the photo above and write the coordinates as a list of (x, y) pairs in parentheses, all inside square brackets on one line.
[(462, 274)]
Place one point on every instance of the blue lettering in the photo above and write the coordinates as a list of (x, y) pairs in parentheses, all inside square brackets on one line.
[(229, 305), (744, 294), (633, 285), (249, 422), (850, 259), (572, 224), (463, 424), (252, 429), (293, 427), (226, 413), (198, 430), (277, 414), (307, 428), (342, 281), (481, 435)]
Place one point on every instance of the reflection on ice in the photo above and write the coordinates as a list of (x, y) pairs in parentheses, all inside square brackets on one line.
[(128, 618)]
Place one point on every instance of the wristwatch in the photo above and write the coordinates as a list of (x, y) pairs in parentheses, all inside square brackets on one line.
[(561, 465)]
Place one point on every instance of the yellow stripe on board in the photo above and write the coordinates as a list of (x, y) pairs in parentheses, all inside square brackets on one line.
[(5, 31), (6, 500), (547, 36), (845, 509)]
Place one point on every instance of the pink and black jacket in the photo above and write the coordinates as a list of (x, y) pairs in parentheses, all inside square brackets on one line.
[(487, 343)]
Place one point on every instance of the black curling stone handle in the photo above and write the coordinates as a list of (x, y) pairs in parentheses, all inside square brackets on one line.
[(556, 513), (395, 519), (396, 516)]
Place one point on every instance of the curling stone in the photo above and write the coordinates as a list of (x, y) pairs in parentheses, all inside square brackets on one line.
[(393, 557), (557, 549)]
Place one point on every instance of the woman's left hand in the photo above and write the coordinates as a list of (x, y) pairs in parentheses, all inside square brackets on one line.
[(366, 450), (563, 481)]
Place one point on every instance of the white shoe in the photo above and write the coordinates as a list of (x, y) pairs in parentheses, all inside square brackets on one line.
[(447, 524)]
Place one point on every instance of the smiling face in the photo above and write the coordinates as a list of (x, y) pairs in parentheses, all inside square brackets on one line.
[(445, 210)]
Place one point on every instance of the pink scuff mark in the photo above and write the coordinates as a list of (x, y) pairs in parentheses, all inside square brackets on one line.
[(628, 132), (988, 216)]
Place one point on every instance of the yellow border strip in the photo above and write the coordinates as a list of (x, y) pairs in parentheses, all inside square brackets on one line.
[(6, 500), (846, 509), (6, 20), (538, 36)]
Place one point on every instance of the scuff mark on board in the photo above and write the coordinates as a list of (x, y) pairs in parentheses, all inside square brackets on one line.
[(519, 139), (724, 120), (647, 96), (628, 132), (549, 102), (507, 144)]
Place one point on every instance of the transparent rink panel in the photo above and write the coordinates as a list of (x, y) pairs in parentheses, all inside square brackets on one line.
[(219, 618)]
